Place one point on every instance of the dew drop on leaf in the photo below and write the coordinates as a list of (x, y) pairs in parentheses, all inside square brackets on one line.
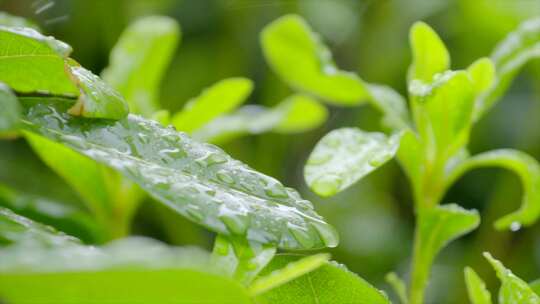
[(327, 185), (515, 226)]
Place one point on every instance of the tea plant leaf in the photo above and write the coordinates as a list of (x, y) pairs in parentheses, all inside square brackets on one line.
[(33, 63), (17, 229), (476, 288), (131, 270), (297, 113), (513, 289), (139, 59), (344, 156), (330, 283), (299, 57), (437, 226), (219, 99), (535, 285), (398, 285), (196, 180), (10, 109), (288, 273), (482, 73), (391, 104), (430, 55), (528, 170), (509, 56)]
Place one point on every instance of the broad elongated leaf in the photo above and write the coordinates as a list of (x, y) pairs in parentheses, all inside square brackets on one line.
[(330, 283), (437, 226), (509, 57), (139, 60), (10, 109), (197, 180), (528, 170), (299, 57), (430, 55), (126, 271), (476, 288), (297, 113), (216, 100), (344, 156), (513, 289)]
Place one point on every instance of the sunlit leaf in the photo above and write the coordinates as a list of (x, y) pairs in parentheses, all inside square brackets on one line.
[(139, 60), (299, 57), (10, 109), (437, 226), (344, 156), (330, 283), (219, 99), (430, 55), (197, 180), (528, 170), (476, 288), (509, 57), (513, 289), (297, 113)]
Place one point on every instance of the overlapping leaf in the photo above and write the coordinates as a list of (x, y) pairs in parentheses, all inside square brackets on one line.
[(430, 55), (10, 110), (476, 288)]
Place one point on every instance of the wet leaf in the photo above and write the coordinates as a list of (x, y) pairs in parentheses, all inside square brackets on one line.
[(430, 55), (139, 59), (330, 283), (299, 57), (527, 169), (219, 99), (196, 180), (476, 288), (344, 156), (297, 113), (513, 289), (10, 109)]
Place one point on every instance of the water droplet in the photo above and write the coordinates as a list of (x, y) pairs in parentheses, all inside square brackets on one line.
[(225, 177), (276, 190), (327, 185), (236, 223), (327, 234), (195, 213), (302, 237), (318, 159), (379, 159), (215, 159), (515, 226)]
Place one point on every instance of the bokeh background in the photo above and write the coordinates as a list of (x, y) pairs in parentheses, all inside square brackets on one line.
[(220, 38)]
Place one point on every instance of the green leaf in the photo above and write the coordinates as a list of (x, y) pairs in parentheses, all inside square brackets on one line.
[(219, 99), (430, 55), (476, 288), (437, 226), (197, 180), (330, 283), (513, 289), (132, 270), (528, 170), (509, 56), (392, 105), (344, 156), (299, 57), (288, 273), (31, 62), (139, 60), (297, 113), (411, 157), (17, 229), (10, 109), (482, 73), (398, 285), (535, 285)]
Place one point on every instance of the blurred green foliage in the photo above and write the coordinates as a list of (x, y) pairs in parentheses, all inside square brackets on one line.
[(220, 39)]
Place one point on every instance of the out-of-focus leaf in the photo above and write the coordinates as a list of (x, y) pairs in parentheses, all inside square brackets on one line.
[(299, 57), (398, 285), (513, 289), (528, 170), (443, 111), (430, 55), (243, 259), (437, 226), (10, 109), (297, 113), (509, 56), (31, 62), (330, 283), (139, 60), (535, 285), (219, 99), (17, 229), (288, 273), (476, 288), (16, 21), (482, 73), (126, 271), (391, 104), (344, 156), (197, 180)]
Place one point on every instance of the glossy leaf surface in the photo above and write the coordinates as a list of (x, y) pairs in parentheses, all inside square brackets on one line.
[(344, 156), (476, 288), (197, 180)]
